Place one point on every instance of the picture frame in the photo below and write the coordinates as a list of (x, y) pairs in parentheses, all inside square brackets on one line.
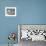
[(10, 11)]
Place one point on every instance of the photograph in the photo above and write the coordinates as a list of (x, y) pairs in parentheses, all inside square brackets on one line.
[(10, 11)]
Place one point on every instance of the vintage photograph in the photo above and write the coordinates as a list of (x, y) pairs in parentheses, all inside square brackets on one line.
[(10, 11)]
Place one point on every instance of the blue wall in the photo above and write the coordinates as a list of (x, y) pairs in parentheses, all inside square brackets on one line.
[(28, 12)]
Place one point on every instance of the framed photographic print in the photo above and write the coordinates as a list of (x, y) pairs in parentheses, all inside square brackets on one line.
[(10, 11)]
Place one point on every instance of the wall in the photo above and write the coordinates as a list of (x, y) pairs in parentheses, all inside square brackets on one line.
[(7, 24), (28, 12)]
